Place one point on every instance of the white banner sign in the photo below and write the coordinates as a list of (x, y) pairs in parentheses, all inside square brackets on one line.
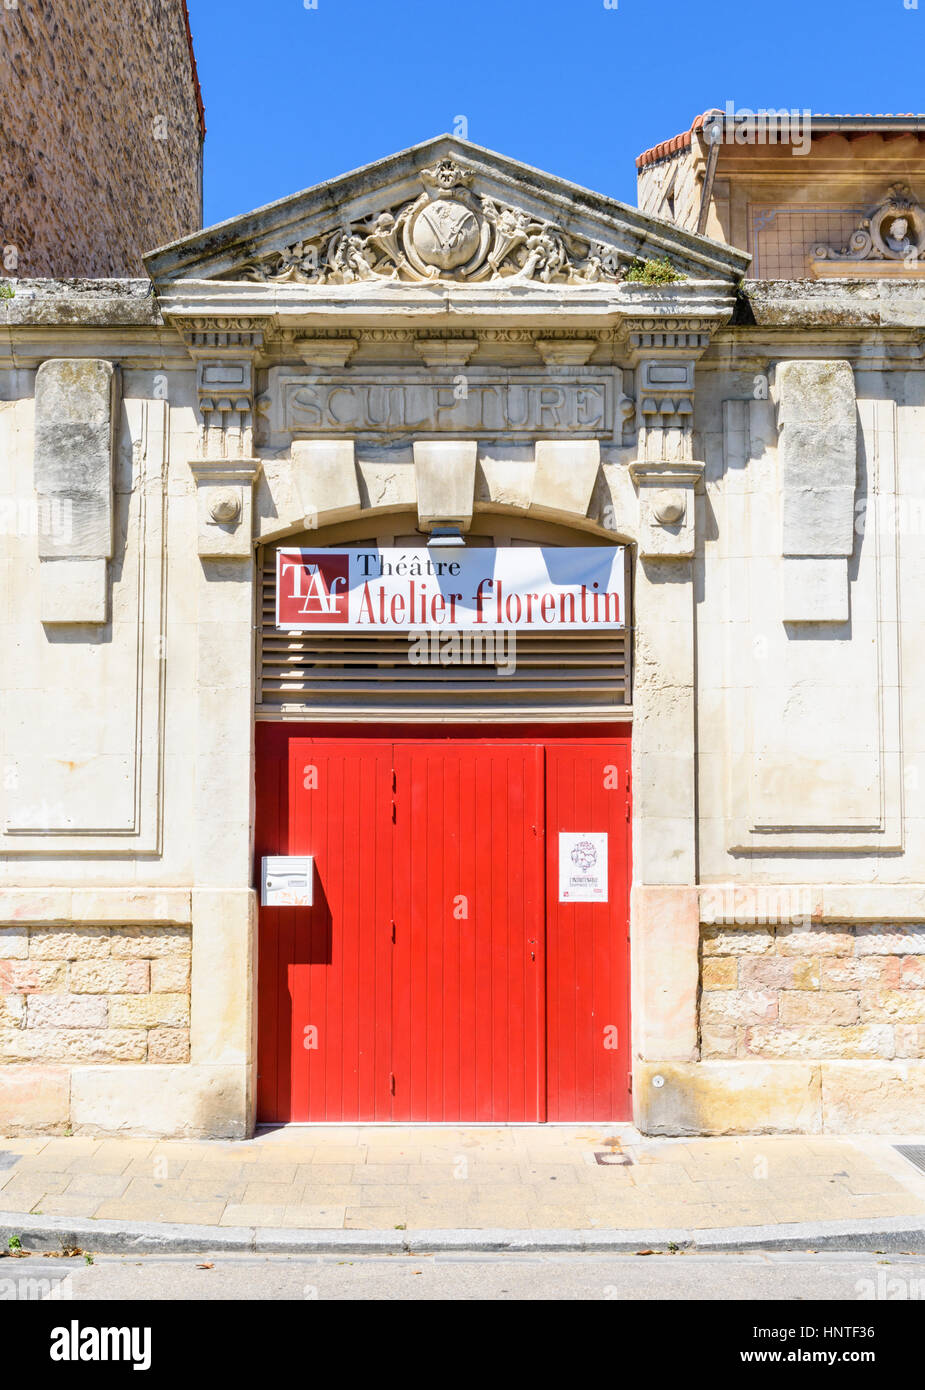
[(582, 867), (525, 588)]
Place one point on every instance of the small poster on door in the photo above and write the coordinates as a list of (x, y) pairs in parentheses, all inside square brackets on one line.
[(582, 867)]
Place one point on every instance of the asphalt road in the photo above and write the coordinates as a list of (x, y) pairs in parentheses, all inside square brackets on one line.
[(855, 1278)]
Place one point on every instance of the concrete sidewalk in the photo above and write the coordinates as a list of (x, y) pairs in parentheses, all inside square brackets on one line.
[(377, 1179)]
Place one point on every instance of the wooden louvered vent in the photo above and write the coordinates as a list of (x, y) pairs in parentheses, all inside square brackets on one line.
[(344, 674)]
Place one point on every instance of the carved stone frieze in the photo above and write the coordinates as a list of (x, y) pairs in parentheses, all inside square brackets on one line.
[(449, 232), (892, 231)]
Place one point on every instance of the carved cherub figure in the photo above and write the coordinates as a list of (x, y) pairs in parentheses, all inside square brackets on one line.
[(897, 236), (546, 257), (349, 259)]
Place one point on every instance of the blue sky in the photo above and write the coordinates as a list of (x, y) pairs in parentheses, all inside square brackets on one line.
[(296, 95)]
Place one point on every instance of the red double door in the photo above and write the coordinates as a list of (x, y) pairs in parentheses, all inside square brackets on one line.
[(438, 976)]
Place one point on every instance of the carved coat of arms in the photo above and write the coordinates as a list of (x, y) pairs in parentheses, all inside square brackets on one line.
[(448, 232)]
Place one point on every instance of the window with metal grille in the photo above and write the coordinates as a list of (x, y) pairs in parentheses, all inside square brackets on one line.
[(339, 674)]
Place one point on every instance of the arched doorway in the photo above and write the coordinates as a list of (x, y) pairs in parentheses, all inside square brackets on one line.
[(439, 974)]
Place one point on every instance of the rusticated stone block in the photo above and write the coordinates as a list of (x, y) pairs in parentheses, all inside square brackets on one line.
[(820, 1040), (67, 1011), (737, 941), (170, 975), (32, 976), (14, 943), (911, 974), (720, 1042), (742, 1007), (819, 1006), (856, 973), (720, 972), (73, 1044), (893, 1005), (815, 941), (776, 972), (885, 940), (150, 1010), (148, 942), (109, 977), (910, 1040), (168, 1045), (12, 1010), (66, 943)]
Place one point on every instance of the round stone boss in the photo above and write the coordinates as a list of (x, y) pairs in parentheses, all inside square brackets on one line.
[(446, 235)]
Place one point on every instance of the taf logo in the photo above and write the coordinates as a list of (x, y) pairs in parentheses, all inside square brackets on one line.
[(312, 587)]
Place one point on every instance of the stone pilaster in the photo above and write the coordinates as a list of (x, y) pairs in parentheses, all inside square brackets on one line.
[(224, 954), (225, 352), (664, 354), (667, 476)]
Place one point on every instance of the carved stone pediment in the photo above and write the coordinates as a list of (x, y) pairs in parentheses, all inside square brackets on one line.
[(892, 231), (444, 213), (447, 233)]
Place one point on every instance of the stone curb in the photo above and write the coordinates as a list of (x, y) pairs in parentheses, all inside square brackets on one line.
[(897, 1234)]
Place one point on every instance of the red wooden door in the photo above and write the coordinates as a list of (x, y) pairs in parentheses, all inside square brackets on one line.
[(587, 943), (467, 1000), (324, 975), (438, 977)]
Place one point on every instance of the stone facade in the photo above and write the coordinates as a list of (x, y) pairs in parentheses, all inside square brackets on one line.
[(848, 992), (757, 451), (94, 994), (102, 135)]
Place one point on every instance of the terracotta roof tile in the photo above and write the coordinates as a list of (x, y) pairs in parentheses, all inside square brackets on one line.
[(678, 142), (667, 148)]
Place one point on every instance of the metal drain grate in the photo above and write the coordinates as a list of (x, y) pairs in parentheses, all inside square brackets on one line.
[(609, 1159), (915, 1153)]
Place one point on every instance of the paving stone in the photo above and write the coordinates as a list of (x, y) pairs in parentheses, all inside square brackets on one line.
[(37, 1183), (380, 1173), (209, 1191), (375, 1218), (253, 1214), (97, 1185), (168, 1209), (319, 1218), (112, 1161), (156, 1167), (388, 1194), (23, 1200), (272, 1193), (69, 1204)]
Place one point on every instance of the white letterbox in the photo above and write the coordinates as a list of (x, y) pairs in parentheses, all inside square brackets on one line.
[(286, 880)]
